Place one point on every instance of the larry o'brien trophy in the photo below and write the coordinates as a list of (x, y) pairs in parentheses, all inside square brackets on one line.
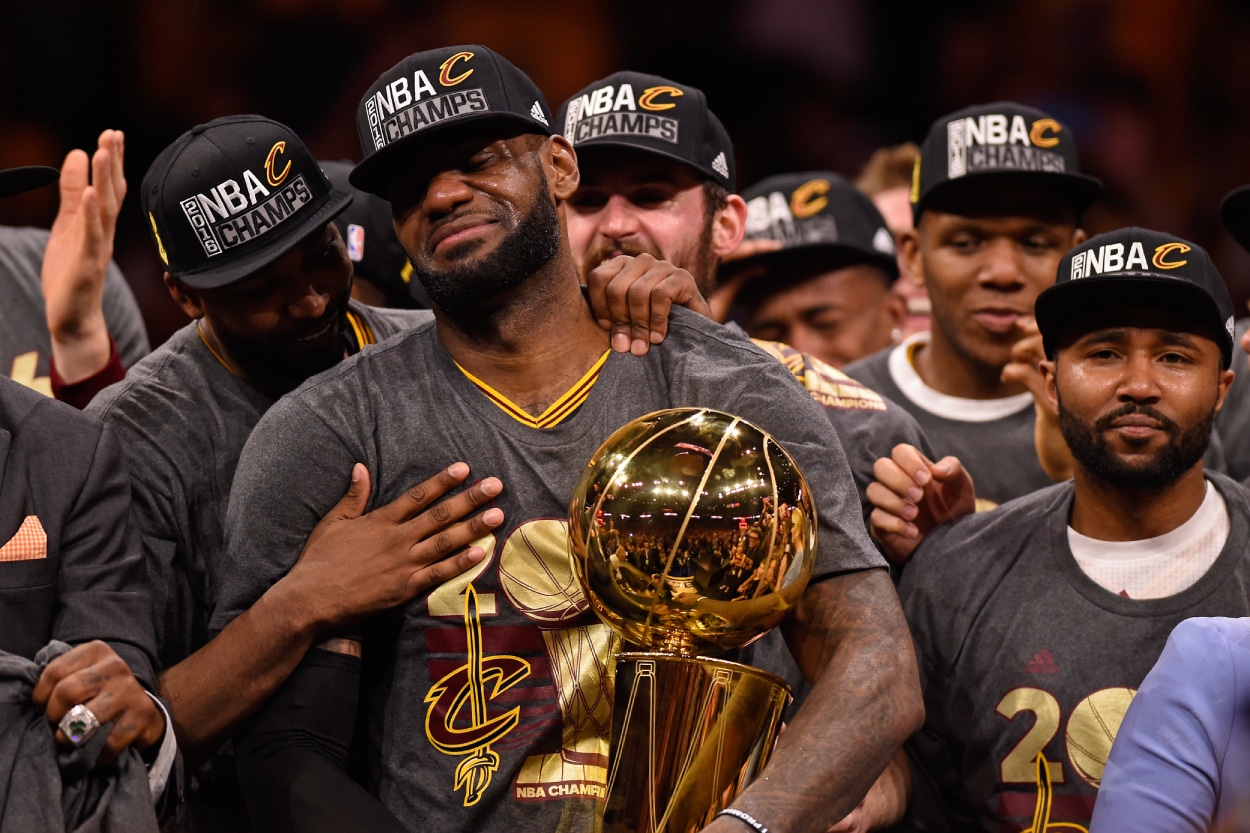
[(693, 532)]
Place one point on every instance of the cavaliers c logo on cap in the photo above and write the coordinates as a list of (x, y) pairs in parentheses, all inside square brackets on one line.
[(647, 100), (1038, 133), (809, 198), (445, 69), (276, 179), (1166, 249)]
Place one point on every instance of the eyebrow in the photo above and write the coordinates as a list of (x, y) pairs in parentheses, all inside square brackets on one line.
[(1121, 334)]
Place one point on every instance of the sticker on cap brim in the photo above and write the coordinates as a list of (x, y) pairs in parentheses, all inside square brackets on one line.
[(992, 142)]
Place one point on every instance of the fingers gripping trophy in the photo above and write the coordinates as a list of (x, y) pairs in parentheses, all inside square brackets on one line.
[(693, 533)]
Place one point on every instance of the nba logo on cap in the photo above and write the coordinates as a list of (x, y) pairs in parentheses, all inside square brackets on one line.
[(355, 242)]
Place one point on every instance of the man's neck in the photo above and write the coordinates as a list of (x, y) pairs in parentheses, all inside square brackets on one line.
[(1108, 513), (534, 343), (943, 367)]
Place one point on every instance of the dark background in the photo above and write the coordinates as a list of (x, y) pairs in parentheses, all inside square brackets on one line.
[(1156, 91)]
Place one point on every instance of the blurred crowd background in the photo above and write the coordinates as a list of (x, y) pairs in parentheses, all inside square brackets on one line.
[(1156, 91)]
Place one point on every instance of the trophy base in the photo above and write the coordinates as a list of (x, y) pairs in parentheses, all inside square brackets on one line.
[(688, 734)]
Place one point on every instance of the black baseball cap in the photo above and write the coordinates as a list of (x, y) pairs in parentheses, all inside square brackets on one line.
[(232, 196), (1003, 139), (652, 114), (15, 181), (372, 245), (1140, 267), (1235, 212), (428, 92), (817, 211)]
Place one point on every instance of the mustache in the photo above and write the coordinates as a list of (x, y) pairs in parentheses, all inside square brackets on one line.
[(611, 248), (1104, 423)]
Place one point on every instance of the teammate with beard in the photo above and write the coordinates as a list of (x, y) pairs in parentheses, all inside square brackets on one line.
[(241, 215), (1077, 587), (657, 172), (493, 709)]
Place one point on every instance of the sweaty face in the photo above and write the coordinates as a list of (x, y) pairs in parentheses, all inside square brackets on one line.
[(838, 316), (985, 257), (631, 202), (477, 219), (1136, 403), (285, 322)]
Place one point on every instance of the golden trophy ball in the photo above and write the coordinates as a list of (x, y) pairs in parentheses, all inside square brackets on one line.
[(693, 532)]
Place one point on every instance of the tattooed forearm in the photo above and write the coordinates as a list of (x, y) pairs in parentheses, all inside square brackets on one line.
[(850, 638)]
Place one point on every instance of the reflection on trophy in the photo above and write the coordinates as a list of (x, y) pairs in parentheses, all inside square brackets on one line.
[(692, 532)]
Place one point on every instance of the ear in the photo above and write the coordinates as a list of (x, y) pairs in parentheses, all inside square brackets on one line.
[(909, 256), (729, 226), (560, 161), (1078, 237), (1047, 368), (1226, 382), (187, 299), (895, 311)]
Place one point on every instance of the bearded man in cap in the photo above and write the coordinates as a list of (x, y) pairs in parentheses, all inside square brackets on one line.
[(657, 178), (460, 142), (1035, 623), (242, 216)]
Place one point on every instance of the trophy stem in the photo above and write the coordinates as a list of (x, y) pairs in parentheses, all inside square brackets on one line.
[(688, 734)]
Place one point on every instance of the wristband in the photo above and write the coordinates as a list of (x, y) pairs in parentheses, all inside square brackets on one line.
[(745, 818)]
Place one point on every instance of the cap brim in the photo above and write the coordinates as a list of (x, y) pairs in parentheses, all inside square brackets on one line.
[(277, 246), (19, 180), (378, 169), (622, 144), (1235, 214), (1079, 191), (1059, 302)]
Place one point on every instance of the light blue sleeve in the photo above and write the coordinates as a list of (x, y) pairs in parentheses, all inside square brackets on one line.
[(1163, 773)]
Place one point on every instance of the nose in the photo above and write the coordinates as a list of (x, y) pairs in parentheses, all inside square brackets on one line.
[(311, 303), (618, 219), (1001, 268), (1138, 383), (446, 191)]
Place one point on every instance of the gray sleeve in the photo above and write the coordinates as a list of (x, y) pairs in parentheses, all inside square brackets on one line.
[(121, 313), (293, 469), (776, 402)]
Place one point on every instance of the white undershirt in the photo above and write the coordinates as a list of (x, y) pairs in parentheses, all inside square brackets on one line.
[(1157, 567), (942, 404)]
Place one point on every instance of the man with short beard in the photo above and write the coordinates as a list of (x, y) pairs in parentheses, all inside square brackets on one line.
[(516, 375), (1036, 622)]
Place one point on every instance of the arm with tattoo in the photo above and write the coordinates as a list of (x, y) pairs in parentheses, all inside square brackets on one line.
[(849, 636)]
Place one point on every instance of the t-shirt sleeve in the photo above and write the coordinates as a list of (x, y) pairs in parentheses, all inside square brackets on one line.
[(292, 471), (773, 400), (1163, 773)]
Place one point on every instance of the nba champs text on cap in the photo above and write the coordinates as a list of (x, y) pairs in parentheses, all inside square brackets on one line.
[(1002, 140), (654, 115), (232, 196), (428, 92)]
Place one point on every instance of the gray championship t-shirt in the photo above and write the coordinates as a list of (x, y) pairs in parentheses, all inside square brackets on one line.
[(182, 419), (1022, 657), (25, 343), (406, 411)]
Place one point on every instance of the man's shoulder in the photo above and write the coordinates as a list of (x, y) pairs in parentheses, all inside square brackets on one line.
[(386, 322), (29, 416), (992, 537), (872, 370)]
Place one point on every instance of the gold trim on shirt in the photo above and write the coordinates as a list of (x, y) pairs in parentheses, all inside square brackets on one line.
[(557, 411)]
